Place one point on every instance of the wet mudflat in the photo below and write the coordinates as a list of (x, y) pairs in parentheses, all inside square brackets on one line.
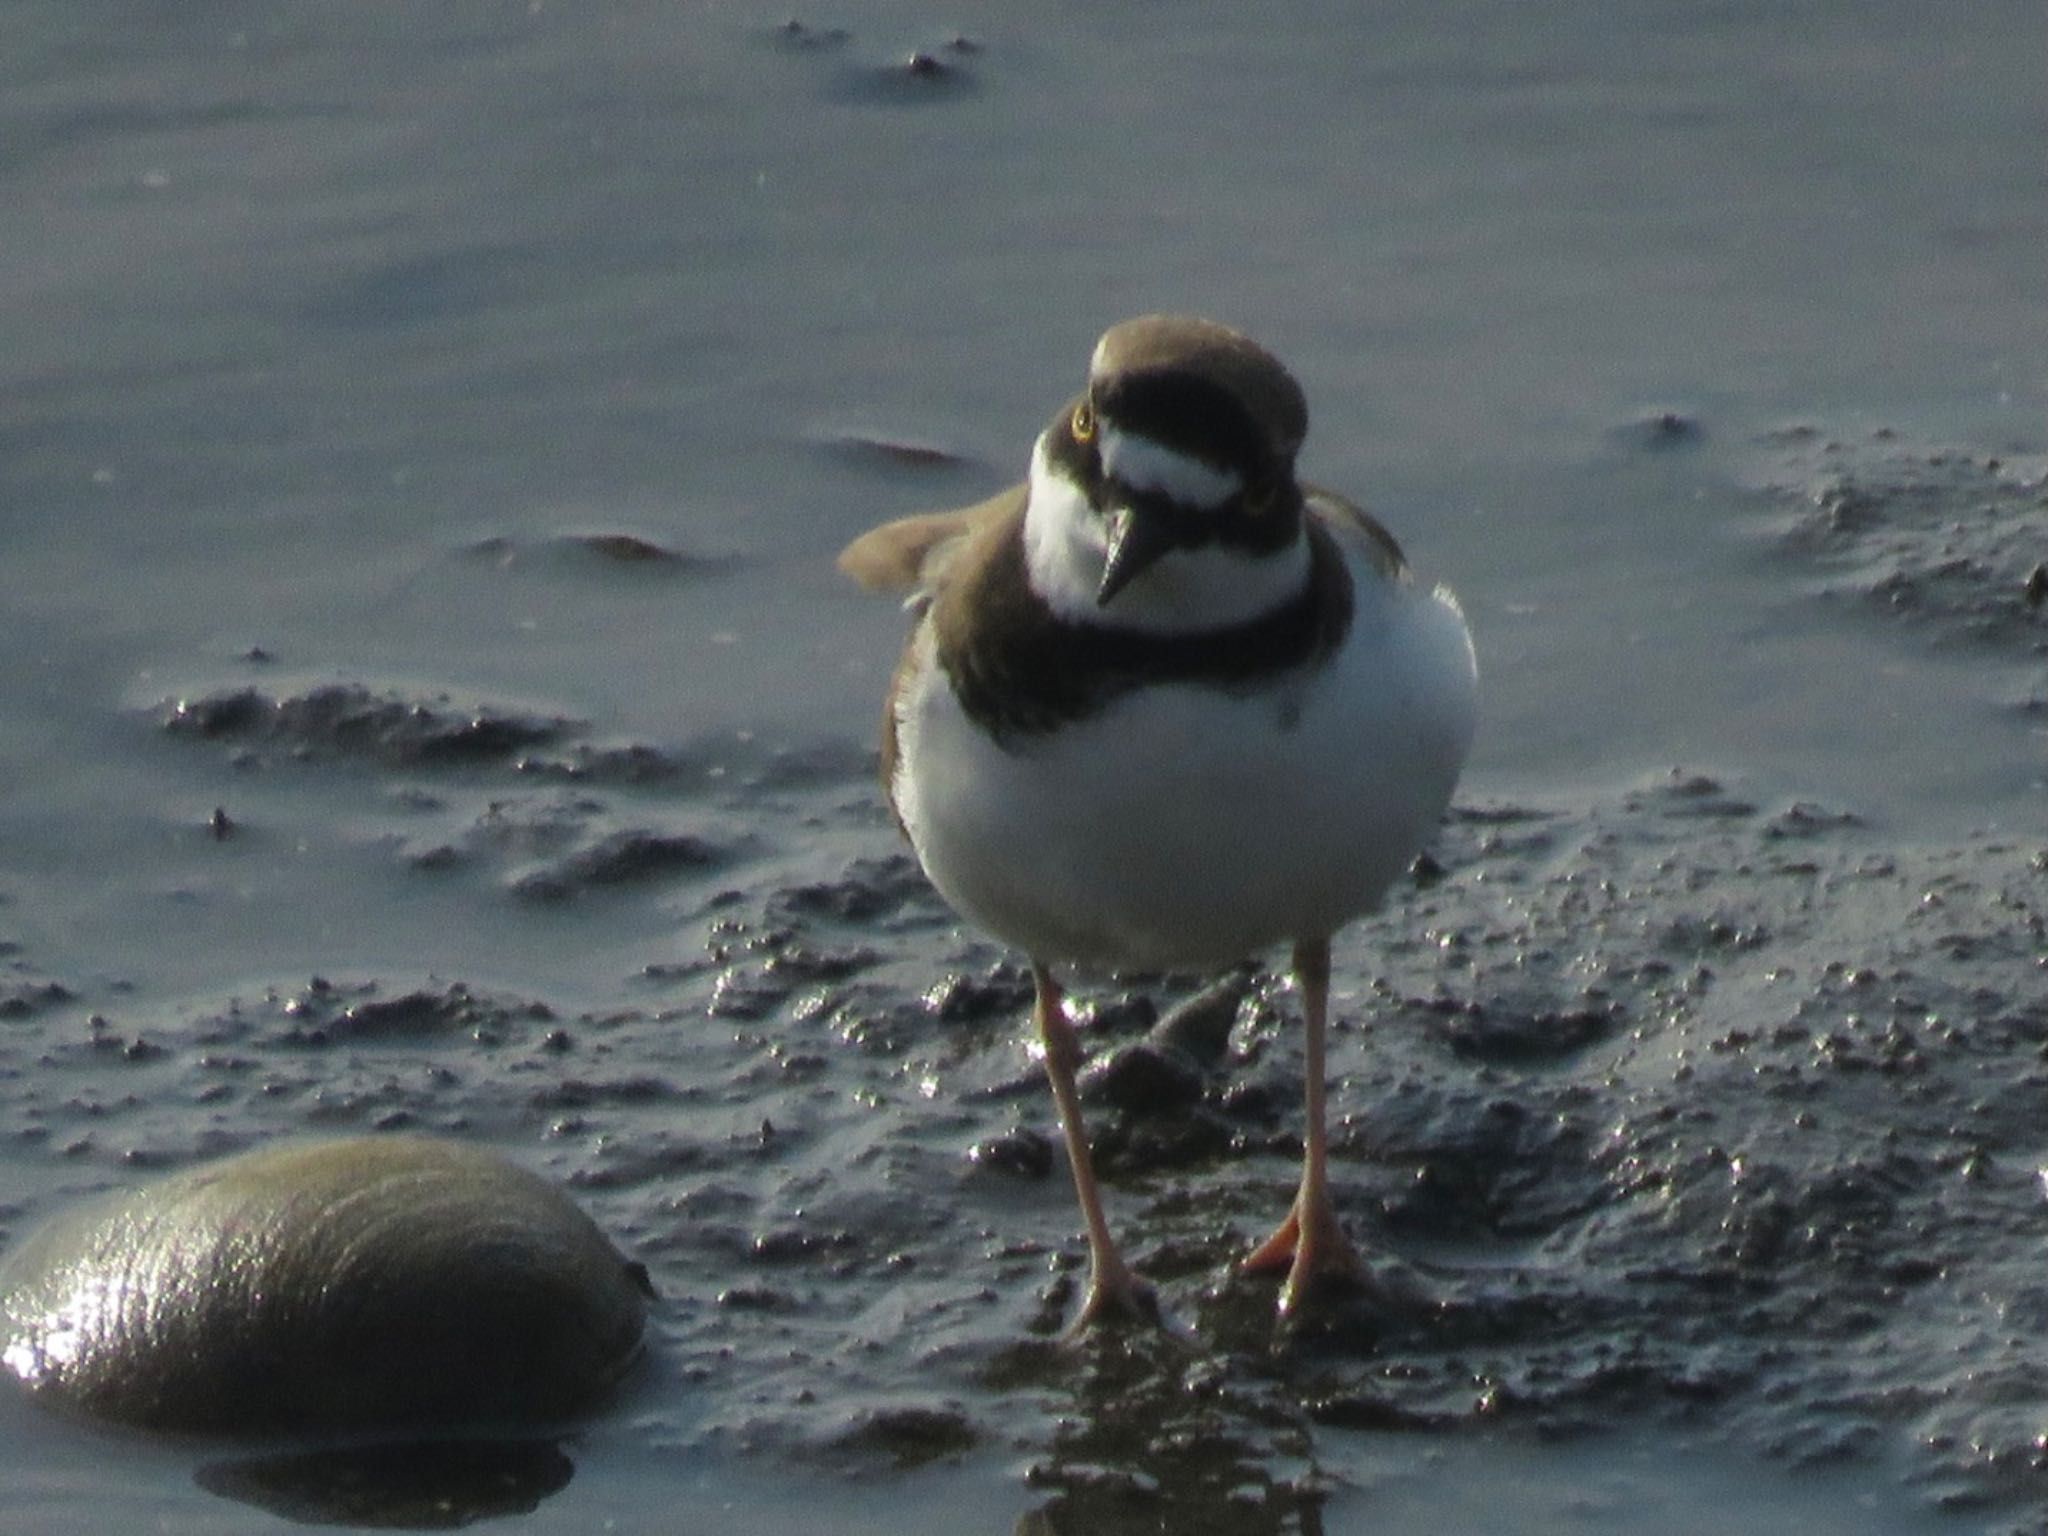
[(433, 711), (1695, 1111), (1681, 1105)]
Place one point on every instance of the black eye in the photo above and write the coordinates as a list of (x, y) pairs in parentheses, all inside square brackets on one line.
[(1084, 423)]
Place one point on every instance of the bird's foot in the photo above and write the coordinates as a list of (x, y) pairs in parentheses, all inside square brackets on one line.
[(1116, 1298), (1312, 1249), (1310, 1246)]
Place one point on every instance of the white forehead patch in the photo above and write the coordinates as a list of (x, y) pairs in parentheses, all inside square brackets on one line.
[(1144, 465), (1186, 590)]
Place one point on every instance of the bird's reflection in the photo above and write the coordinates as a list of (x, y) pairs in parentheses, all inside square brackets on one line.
[(1160, 1438)]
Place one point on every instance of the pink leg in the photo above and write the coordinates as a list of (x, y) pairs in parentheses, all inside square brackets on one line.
[(1115, 1291), (1309, 1243)]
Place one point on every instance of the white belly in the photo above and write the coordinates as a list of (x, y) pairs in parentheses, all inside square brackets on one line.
[(1186, 826)]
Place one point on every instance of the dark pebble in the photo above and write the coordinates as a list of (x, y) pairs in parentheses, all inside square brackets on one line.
[(626, 548), (756, 1298), (1023, 1152), (913, 1436), (1142, 1079), (1199, 1028), (1365, 1410)]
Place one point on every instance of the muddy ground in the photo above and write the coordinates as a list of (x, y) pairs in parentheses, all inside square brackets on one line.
[(1684, 1102)]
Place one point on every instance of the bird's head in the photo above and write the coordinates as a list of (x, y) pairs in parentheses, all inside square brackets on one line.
[(1172, 472)]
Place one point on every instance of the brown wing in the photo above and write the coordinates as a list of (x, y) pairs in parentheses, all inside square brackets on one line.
[(1359, 526), (910, 553)]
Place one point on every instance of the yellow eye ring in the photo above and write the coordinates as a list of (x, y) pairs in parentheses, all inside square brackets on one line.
[(1084, 423)]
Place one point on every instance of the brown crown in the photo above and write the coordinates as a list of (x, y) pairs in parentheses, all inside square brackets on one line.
[(1228, 359)]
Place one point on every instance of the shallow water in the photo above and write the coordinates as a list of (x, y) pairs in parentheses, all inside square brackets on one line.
[(516, 363), (1456, 1488)]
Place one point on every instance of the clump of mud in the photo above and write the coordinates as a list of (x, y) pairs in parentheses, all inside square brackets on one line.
[(1949, 538), (525, 797), (349, 719), (913, 77)]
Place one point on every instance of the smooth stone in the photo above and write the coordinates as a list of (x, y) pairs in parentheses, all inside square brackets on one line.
[(371, 1283)]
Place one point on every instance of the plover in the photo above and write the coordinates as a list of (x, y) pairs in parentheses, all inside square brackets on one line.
[(1165, 707)]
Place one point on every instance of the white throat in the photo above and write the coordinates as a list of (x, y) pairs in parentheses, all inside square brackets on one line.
[(1185, 591)]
